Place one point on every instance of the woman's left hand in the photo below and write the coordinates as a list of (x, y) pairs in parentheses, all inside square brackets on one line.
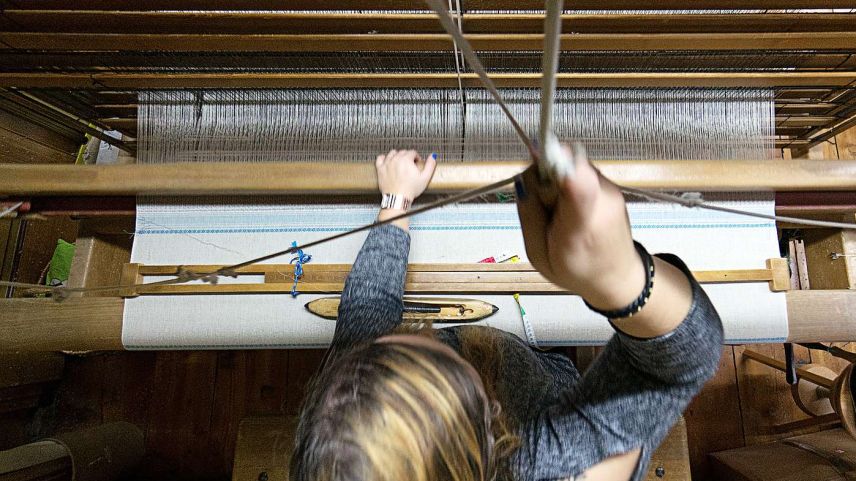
[(403, 172)]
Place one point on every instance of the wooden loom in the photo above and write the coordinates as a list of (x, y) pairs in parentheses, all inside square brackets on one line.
[(99, 55)]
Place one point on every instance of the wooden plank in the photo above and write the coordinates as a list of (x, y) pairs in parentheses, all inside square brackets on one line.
[(420, 278), (229, 407), (765, 396), (813, 95), (310, 270), (20, 368), (332, 287), (333, 178), (472, 5), (380, 42), (826, 271), (79, 396), (303, 365), (264, 448), (96, 323), (10, 230), (818, 315), (845, 143), (780, 365), (98, 258), (801, 121), (671, 460), (128, 378), (265, 379), (351, 22), (713, 418), (818, 108), (37, 133), (76, 324), (179, 435), (162, 80), (37, 246), (19, 148)]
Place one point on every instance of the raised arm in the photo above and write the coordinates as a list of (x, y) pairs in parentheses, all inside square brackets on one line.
[(371, 303), (607, 426)]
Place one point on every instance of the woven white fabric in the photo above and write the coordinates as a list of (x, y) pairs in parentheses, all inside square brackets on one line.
[(185, 231)]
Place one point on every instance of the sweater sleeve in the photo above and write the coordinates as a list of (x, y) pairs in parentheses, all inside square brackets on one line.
[(630, 397), (371, 303)]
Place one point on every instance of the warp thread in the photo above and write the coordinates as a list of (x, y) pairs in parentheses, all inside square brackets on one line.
[(298, 261)]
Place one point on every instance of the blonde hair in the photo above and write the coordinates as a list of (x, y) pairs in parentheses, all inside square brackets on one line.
[(391, 411)]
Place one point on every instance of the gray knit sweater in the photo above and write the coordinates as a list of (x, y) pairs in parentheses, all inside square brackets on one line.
[(629, 398)]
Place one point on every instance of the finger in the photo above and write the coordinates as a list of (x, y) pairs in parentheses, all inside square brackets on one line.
[(390, 155), (579, 192), (534, 219), (379, 160), (402, 156), (428, 169)]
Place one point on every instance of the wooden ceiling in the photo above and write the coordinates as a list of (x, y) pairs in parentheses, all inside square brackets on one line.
[(89, 57)]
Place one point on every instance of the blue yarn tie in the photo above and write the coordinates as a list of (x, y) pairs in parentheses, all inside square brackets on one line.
[(298, 267)]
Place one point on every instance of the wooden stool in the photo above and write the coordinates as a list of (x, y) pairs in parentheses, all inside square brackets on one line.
[(819, 392)]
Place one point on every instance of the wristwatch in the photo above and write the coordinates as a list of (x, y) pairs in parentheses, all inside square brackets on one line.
[(395, 201)]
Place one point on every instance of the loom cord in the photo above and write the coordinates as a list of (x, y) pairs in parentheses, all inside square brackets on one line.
[(470, 55)]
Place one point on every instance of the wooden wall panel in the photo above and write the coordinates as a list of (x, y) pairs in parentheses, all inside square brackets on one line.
[(22, 141), (180, 407), (713, 418)]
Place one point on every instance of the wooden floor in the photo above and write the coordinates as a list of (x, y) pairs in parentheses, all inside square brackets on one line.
[(189, 403)]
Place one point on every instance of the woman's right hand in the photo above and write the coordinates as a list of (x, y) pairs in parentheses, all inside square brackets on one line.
[(583, 242)]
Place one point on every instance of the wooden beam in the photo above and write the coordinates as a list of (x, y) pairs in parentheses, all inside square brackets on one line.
[(76, 324), (472, 5), (144, 80), (95, 323), (348, 178), (803, 121), (236, 22), (821, 315), (423, 42), (421, 278)]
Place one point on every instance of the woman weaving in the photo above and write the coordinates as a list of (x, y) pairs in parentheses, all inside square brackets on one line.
[(476, 403)]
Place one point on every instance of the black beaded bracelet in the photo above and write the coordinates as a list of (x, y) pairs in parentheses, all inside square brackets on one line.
[(639, 303)]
